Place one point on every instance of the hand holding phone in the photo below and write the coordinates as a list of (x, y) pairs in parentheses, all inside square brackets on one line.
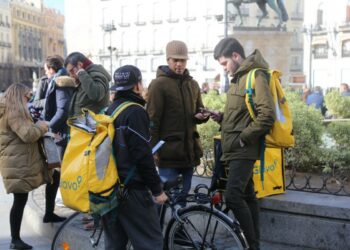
[(215, 115)]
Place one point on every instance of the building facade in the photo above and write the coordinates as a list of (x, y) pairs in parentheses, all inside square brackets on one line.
[(6, 66), (53, 33), (136, 32), (327, 40), (27, 40)]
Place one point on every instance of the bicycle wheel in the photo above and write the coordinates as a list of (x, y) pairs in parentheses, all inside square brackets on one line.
[(200, 227), (68, 233)]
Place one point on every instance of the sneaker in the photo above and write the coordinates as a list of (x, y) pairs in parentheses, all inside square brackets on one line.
[(19, 244), (54, 218)]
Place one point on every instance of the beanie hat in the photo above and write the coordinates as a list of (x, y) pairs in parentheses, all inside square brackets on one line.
[(176, 49), (125, 78)]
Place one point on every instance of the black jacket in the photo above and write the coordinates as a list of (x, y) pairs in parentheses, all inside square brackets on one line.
[(58, 97), (132, 144)]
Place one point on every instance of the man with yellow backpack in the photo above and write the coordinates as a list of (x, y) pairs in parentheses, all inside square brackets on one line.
[(241, 135), (134, 154)]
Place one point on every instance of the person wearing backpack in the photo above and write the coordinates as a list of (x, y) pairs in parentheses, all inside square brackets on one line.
[(240, 134), (133, 152)]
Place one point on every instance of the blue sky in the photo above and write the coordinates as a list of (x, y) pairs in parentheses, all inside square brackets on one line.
[(55, 4)]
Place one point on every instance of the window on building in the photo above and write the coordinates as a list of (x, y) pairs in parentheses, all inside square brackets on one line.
[(124, 61), (348, 13), (141, 14), (125, 16), (295, 63), (191, 7), (138, 40), (141, 63), (156, 62), (123, 43), (1, 37), (210, 38), (18, 13), (0, 18), (156, 14), (156, 40), (345, 48), (20, 54), (191, 38), (320, 51), (25, 54), (174, 11), (209, 62), (297, 13)]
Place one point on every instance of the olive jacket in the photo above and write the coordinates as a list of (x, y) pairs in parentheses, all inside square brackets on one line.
[(237, 124), (21, 163), (92, 91), (173, 100)]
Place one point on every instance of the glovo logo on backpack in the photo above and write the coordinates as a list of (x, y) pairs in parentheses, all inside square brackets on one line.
[(89, 167), (281, 133)]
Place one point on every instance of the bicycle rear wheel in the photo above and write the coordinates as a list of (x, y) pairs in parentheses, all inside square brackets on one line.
[(201, 227), (70, 235)]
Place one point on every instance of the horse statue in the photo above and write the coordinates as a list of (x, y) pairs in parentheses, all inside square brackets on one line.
[(276, 5)]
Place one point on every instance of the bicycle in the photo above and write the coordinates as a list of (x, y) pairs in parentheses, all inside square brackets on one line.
[(199, 226)]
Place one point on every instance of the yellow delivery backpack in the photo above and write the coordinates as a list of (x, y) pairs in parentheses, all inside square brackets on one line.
[(89, 175), (274, 179), (281, 133)]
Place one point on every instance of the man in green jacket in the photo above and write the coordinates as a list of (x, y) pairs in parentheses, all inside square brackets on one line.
[(174, 102), (241, 136), (92, 90)]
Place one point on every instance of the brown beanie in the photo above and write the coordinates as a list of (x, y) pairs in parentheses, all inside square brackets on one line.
[(176, 49)]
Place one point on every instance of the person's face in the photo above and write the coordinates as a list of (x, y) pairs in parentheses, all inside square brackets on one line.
[(230, 64), (177, 65), (72, 70), (49, 71), (343, 88)]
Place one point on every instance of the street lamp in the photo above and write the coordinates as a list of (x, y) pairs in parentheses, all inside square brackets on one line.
[(109, 28)]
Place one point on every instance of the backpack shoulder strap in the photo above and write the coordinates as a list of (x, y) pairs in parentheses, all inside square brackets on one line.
[(122, 107)]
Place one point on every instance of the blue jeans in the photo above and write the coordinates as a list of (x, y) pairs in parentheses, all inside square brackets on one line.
[(171, 174)]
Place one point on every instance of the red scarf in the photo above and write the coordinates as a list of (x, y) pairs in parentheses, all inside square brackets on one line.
[(86, 63)]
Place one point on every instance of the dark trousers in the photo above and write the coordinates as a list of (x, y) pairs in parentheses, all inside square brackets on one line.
[(137, 220), (240, 197), (52, 188), (16, 214), (51, 192)]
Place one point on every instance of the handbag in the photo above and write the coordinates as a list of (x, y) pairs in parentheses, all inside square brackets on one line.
[(52, 154)]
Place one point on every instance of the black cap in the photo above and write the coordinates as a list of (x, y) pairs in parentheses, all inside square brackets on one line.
[(125, 78)]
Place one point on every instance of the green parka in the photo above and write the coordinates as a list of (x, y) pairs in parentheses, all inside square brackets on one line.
[(173, 100), (92, 92), (21, 164), (237, 123)]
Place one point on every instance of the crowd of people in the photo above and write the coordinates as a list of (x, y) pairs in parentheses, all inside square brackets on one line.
[(171, 112), (314, 97)]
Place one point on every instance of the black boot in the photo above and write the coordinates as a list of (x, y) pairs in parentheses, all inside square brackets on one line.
[(19, 244), (53, 218)]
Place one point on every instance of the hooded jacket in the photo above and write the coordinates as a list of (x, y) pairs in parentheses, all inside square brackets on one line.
[(237, 123), (58, 97), (21, 164), (173, 100), (92, 91)]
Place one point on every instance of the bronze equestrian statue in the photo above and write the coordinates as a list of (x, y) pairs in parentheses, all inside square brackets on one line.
[(276, 5)]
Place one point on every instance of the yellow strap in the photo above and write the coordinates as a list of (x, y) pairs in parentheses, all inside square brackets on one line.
[(123, 107)]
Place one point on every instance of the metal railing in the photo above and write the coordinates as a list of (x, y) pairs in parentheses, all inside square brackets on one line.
[(336, 183)]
